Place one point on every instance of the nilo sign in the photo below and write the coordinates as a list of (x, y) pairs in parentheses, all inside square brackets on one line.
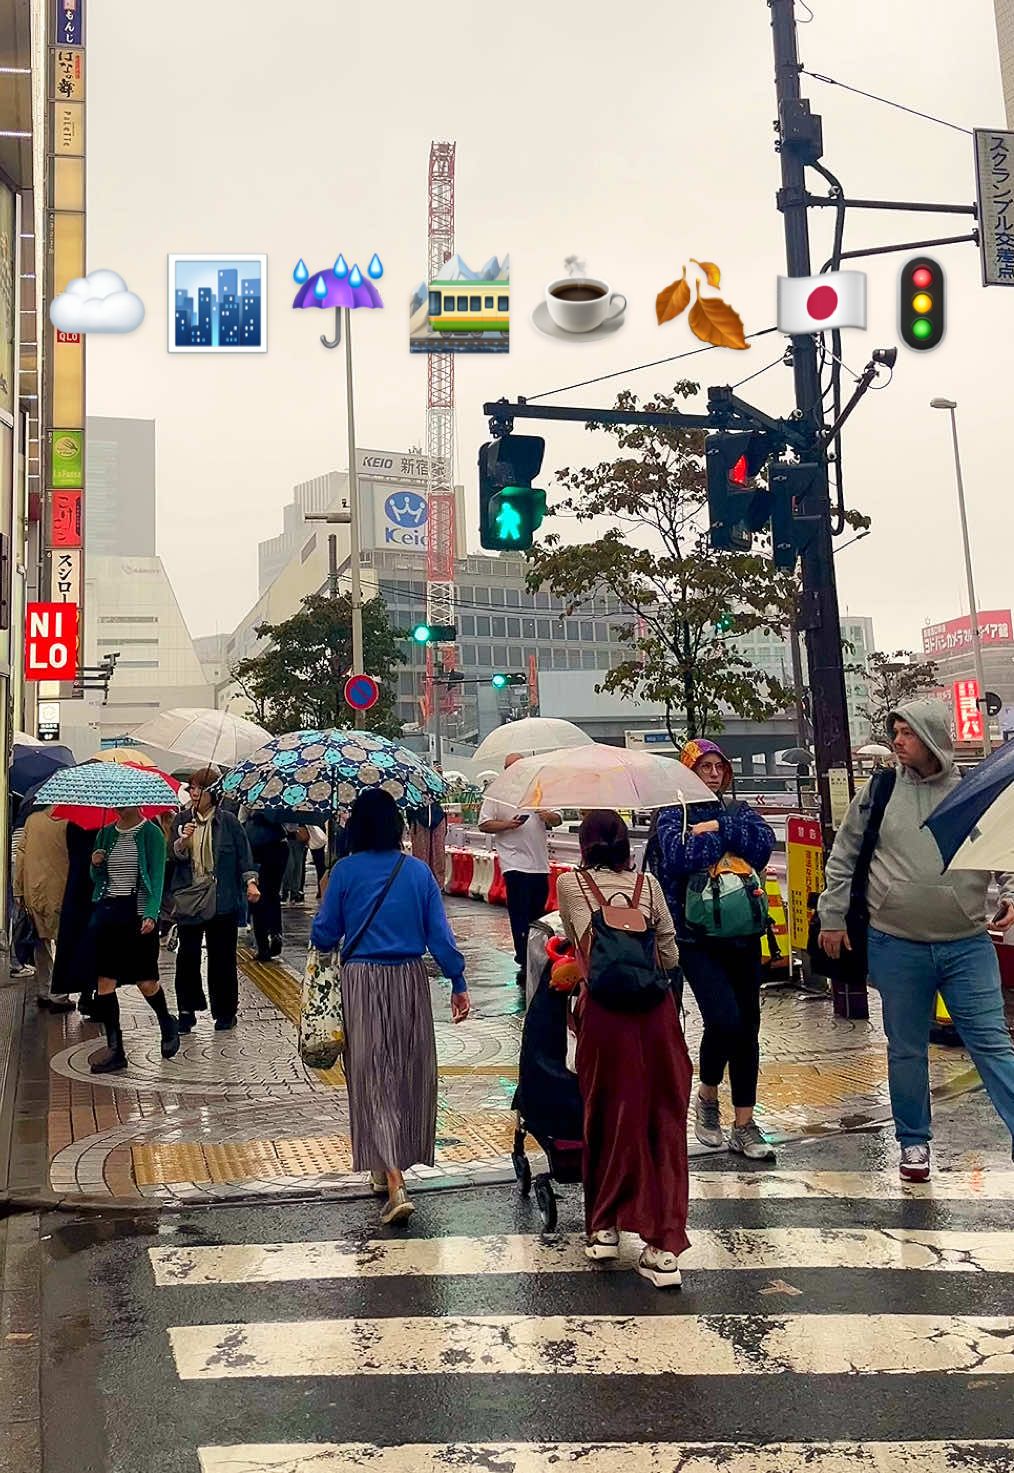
[(967, 713), (51, 641)]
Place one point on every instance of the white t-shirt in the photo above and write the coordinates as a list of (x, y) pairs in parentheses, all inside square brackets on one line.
[(526, 849)]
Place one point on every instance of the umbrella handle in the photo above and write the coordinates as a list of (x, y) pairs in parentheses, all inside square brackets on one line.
[(337, 331)]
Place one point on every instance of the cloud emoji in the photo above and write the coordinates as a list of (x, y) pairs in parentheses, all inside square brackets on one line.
[(98, 302)]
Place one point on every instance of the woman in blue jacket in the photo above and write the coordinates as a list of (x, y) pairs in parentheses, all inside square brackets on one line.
[(724, 974), (384, 909)]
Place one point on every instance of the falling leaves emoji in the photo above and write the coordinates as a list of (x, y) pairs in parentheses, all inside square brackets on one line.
[(711, 271), (715, 322), (673, 300)]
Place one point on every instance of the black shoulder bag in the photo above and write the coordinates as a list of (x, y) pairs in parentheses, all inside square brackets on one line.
[(851, 967), (350, 946)]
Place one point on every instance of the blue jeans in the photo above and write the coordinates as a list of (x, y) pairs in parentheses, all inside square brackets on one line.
[(907, 974)]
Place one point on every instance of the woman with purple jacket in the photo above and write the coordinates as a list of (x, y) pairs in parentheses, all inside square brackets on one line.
[(724, 974)]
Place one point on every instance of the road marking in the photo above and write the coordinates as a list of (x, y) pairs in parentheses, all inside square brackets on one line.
[(732, 1248), (662, 1457), (624, 1345), (950, 1186)]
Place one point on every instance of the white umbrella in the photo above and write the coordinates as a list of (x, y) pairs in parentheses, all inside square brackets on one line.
[(597, 776), (202, 737), (874, 749), (529, 735)]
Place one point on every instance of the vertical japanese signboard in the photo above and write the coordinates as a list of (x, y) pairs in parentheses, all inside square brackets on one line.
[(994, 179), (967, 712), (64, 388), (533, 685), (804, 847)]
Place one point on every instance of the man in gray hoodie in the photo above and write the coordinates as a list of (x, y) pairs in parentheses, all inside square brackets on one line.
[(927, 932)]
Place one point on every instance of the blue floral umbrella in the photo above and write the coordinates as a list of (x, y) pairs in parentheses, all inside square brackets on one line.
[(107, 785), (314, 774)]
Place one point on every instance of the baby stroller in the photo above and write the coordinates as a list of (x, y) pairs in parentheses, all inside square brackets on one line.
[(547, 1100)]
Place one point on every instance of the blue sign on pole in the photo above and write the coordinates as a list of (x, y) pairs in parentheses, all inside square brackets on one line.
[(69, 22), (361, 692)]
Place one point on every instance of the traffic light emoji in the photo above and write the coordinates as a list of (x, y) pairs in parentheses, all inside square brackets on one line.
[(921, 303)]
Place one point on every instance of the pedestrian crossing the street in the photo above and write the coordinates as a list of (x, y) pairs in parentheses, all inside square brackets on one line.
[(828, 1321)]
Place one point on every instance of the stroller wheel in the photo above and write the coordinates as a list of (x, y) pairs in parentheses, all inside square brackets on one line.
[(546, 1198)]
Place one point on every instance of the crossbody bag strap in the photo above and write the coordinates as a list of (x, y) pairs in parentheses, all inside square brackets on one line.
[(880, 795), (351, 946)]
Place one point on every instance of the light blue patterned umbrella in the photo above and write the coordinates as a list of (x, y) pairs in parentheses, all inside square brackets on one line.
[(314, 774), (107, 785)]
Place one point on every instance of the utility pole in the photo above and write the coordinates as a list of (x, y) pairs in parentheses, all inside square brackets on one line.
[(799, 143), (332, 589), (355, 549), (341, 518)]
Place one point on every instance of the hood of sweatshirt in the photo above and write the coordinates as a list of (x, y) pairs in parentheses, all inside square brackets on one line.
[(931, 723)]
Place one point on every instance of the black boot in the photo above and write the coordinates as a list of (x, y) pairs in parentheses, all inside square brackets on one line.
[(276, 946), (168, 1026), (107, 1011), (187, 1022)]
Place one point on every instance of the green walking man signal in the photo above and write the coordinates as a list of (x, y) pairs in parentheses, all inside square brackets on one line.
[(511, 509)]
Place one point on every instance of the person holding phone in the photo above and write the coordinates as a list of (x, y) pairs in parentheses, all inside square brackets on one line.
[(521, 844)]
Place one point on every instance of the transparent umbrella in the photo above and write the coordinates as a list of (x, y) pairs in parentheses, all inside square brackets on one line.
[(597, 776)]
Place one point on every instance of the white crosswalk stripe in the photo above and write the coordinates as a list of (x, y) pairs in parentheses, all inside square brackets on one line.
[(599, 1345), (396, 1313), (738, 1248), (839, 1457)]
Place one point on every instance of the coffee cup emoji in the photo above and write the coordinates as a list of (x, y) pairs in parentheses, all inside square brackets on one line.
[(582, 303)]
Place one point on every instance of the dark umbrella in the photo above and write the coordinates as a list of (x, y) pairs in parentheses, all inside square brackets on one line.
[(974, 825), (32, 765)]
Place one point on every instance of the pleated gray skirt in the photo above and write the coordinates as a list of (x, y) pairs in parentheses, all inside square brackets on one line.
[(390, 1065)]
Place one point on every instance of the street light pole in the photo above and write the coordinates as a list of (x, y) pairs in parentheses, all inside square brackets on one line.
[(973, 607), (355, 581)]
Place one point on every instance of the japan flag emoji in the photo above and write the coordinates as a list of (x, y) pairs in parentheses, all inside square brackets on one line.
[(820, 303)]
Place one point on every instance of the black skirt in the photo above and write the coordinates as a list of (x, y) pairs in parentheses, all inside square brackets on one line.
[(121, 952)]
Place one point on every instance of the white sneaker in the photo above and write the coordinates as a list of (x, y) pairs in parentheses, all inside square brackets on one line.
[(659, 1268), (708, 1122), (915, 1163), (398, 1208), (378, 1183), (602, 1245)]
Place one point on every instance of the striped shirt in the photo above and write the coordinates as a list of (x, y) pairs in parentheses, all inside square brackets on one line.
[(124, 869)]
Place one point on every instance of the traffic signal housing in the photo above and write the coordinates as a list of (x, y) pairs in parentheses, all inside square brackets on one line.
[(435, 633), (511, 509), (501, 679), (793, 523), (921, 303), (737, 506)]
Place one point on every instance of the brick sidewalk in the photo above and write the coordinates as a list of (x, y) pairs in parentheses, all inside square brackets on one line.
[(238, 1114)]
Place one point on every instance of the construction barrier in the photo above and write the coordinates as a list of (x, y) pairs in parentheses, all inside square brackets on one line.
[(448, 869), (779, 926), (555, 871), (482, 876), (498, 890), (461, 872)]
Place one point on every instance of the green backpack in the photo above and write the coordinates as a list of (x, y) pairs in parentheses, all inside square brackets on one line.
[(725, 905)]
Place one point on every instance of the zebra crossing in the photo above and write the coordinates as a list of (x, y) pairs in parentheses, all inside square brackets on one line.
[(828, 1321)]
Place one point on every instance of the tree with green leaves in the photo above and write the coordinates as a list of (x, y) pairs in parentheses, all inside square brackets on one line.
[(686, 604), (297, 680), (893, 679)]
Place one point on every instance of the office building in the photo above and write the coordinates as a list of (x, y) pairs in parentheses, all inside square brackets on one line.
[(1004, 10), (120, 468), (771, 655), (315, 495), (949, 646)]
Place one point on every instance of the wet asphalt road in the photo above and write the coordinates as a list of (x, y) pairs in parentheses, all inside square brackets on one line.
[(114, 1400)]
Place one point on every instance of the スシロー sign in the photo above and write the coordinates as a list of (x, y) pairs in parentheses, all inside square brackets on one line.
[(51, 641), (361, 692)]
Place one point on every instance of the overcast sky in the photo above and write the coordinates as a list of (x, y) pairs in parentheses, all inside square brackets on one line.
[(635, 141)]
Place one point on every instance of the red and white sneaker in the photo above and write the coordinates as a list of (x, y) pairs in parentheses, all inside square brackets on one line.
[(915, 1163)]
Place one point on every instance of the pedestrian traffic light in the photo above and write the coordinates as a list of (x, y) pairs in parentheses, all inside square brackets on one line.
[(510, 507), (921, 298), (504, 678), (737, 506), (794, 517), (723, 623), (435, 633)]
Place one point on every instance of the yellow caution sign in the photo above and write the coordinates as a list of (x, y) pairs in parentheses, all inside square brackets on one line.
[(940, 1014), (779, 925)]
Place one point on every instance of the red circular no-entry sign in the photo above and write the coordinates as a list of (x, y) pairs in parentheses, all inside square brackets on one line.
[(361, 692)]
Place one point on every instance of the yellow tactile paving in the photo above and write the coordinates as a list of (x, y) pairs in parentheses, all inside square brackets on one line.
[(154, 1165), (315, 1155)]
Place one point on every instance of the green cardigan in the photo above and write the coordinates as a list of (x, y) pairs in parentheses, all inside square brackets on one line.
[(150, 842)]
